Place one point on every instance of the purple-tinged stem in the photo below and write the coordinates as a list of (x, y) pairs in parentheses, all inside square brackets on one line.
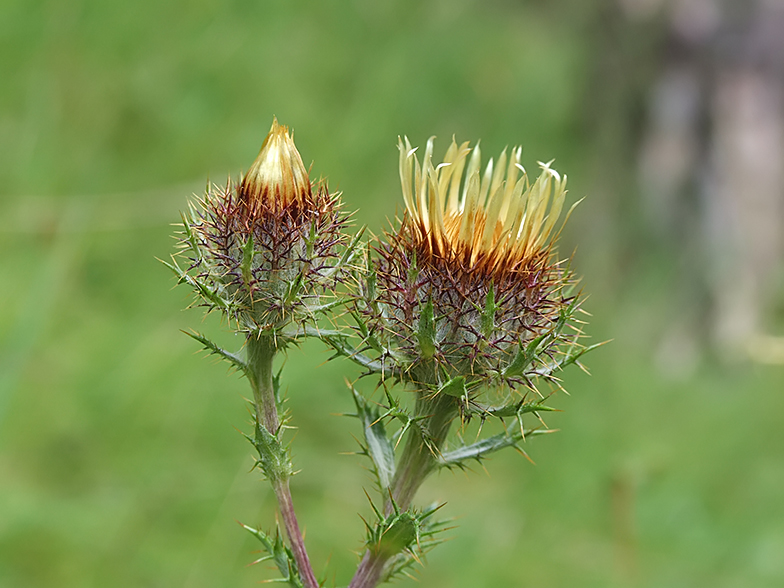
[(261, 353), (286, 506)]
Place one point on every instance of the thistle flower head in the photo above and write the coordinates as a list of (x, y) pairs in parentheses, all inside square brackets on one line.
[(265, 250), (469, 281)]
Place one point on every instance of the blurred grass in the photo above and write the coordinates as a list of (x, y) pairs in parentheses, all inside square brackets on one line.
[(120, 464)]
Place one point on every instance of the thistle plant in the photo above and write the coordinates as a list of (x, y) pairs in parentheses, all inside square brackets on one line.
[(467, 306), (463, 312), (267, 252)]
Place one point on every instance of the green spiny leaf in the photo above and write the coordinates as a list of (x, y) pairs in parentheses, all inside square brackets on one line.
[(570, 357), (209, 294), (418, 528), (190, 236), (524, 357), (232, 358), (349, 253), (304, 330), (379, 447), (488, 314), (426, 331), (310, 242), (367, 336), (247, 261), (454, 387), (276, 389), (413, 270), (399, 533), (280, 554), (343, 349), (370, 286), (293, 289), (510, 410), (480, 449), (565, 314), (273, 459), (323, 307)]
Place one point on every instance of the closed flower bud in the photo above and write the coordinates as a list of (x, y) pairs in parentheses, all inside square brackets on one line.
[(278, 178), (266, 250)]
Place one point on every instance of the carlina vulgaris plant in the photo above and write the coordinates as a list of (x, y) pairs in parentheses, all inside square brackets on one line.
[(466, 304), (268, 252)]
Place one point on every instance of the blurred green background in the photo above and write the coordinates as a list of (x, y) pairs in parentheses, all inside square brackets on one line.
[(121, 460)]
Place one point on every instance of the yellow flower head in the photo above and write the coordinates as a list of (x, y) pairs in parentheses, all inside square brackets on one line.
[(470, 277), (491, 222)]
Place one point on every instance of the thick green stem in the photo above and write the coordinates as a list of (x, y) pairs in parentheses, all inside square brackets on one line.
[(416, 462), (261, 354), (422, 448)]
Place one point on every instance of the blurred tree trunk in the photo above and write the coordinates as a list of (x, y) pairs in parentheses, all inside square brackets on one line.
[(710, 155)]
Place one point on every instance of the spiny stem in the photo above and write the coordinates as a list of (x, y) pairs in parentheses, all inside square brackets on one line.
[(261, 353), (416, 462)]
